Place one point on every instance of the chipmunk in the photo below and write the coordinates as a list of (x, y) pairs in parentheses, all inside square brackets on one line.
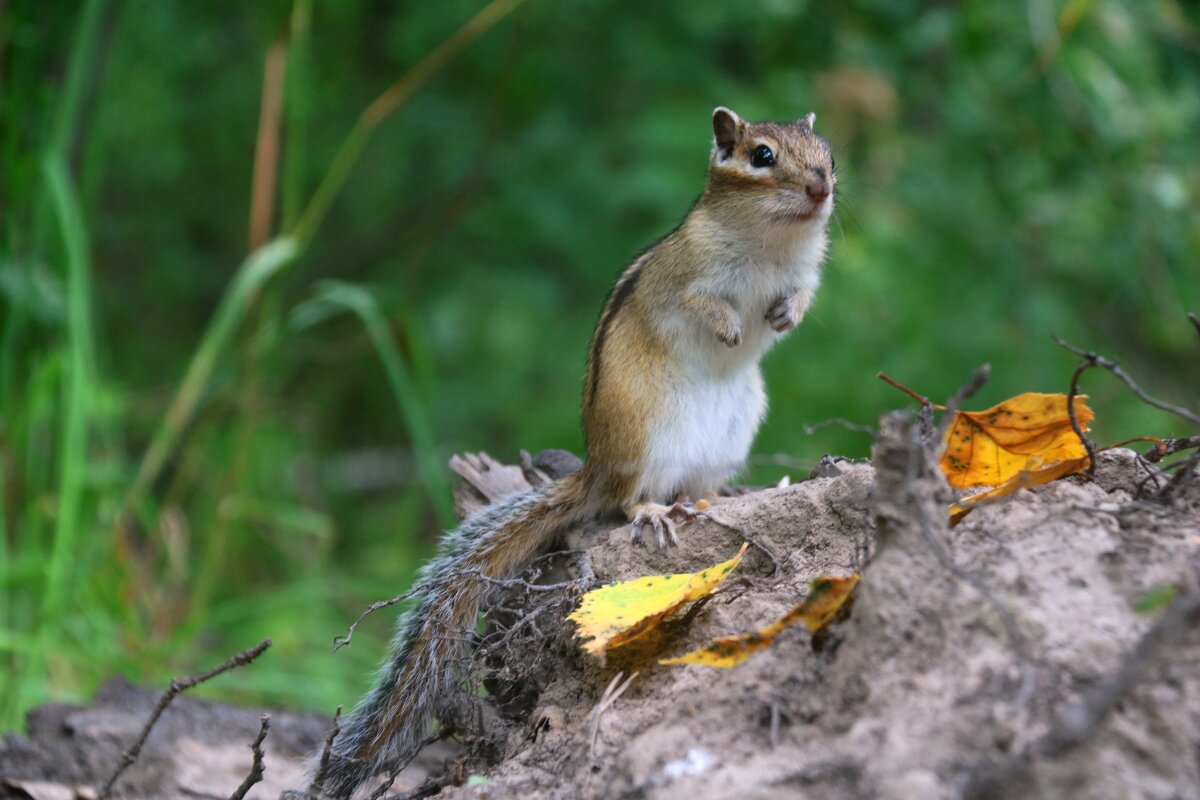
[(672, 400)]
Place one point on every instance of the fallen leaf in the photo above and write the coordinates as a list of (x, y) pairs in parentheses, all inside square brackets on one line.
[(617, 614), (1036, 475), (825, 597), (987, 448), (1156, 599)]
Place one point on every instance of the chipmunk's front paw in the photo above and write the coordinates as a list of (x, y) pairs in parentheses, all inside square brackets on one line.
[(663, 520), (787, 312), (730, 334)]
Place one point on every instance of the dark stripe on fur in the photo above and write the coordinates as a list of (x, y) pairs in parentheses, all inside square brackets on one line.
[(617, 298)]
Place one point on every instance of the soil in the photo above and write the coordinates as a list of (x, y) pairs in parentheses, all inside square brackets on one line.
[(1005, 657)]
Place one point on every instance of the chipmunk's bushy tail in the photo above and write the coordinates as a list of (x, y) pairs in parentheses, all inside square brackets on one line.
[(432, 640)]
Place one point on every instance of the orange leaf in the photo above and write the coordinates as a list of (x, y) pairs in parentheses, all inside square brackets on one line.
[(1037, 475), (987, 448)]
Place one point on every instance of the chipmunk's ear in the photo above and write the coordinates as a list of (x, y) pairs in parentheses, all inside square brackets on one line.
[(728, 128), (807, 121)]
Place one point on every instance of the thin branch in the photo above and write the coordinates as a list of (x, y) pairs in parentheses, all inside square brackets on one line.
[(1086, 441), (1170, 446), (1185, 469), (1195, 321), (1080, 721), (729, 526), (130, 755), (610, 696), (399, 766), (316, 788), (1015, 638), (956, 400), (1095, 360), (256, 768), (341, 641), (919, 398)]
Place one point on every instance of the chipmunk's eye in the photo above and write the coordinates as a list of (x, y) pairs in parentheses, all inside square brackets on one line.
[(762, 157), (832, 162)]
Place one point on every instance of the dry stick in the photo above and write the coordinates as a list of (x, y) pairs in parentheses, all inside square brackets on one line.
[(316, 788), (1080, 721), (1195, 321), (967, 391), (1186, 469), (341, 641), (919, 398), (256, 768), (1086, 441), (1095, 360), (1170, 446), (401, 764), (925, 528), (129, 756), (610, 696), (752, 539)]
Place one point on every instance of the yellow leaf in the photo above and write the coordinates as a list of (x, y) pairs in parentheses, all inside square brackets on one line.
[(987, 448), (617, 614), (1037, 475), (826, 595)]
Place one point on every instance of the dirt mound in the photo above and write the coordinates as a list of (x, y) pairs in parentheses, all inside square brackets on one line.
[(1001, 658)]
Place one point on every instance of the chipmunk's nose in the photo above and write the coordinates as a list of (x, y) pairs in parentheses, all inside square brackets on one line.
[(817, 189)]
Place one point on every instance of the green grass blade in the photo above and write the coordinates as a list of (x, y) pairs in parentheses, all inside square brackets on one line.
[(258, 268), (359, 301), (73, 452)]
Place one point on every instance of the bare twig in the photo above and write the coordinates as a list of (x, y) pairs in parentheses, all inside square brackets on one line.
[(956, 400), (177, 686), (1095, 360), (1086, 441), (1079, 722), (1195, 321), (399, 766), (610, 696), (752, 539), (316, 788), (1170, 446), (1184, 470), (256, 768), (341, 641), (895, 384)]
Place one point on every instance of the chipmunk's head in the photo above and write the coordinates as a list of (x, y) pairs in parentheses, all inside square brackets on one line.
[(771, 171)]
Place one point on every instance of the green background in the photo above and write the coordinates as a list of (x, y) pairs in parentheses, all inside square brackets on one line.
[(1007, 171)]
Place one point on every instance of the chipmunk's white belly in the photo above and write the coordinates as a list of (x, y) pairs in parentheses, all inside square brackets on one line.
[(702, 433)]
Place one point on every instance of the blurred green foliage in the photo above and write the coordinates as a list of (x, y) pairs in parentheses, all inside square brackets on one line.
[(1007, 171)]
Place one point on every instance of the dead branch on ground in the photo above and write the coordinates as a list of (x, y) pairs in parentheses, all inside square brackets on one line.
[(130, 755), (256, 768)]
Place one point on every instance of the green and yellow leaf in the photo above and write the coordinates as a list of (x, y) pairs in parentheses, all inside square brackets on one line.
[(617, 614)]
